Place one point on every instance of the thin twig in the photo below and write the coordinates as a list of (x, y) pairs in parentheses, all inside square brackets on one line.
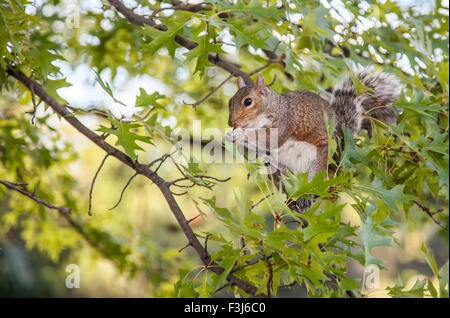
[(288, 285), (272, 54), (181, 249), (206, 184), (257, 203), (249, 263), (148, 113), (431, 214), (209, 94), (14, 186), (22, 184), (292, 221), (179, 194), (92, 184), (123, 190), (211, 177), (194, 218), (273, 58), (94, 111), (273, 80), (206, 243), (161, 159), (259, 69)]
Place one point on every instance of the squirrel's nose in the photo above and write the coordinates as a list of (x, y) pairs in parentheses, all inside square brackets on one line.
[(230, 122)]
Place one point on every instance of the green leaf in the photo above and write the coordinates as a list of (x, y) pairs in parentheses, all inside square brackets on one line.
[(223, 213), (370, 238), (125, 137), (228, 258), (352, 152), (443, 281), (164, 38), (107, 88), (183, 288), (323, 225), (432, 289), (389, 196), (44, 58), (398, 291), (146, 100), (316, 278), (247, 33), (203, 48), (298, 185), (430, 260), (52, 86)]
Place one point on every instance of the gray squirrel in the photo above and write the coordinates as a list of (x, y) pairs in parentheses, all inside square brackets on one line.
[(302, 138)]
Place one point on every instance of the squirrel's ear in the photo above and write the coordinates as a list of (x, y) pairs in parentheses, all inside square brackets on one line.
[(260, 85), (240, 82)]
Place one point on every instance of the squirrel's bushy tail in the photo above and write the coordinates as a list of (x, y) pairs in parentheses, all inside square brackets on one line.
[(354, 110)]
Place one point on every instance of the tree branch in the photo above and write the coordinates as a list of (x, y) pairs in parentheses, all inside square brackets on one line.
[(181, 6), (15, 186), (215, 59), (140, 169)]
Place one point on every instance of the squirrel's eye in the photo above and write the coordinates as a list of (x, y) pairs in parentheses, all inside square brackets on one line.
[(248, 101)]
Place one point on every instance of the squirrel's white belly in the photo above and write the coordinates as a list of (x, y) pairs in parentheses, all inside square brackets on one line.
[(296, 156)]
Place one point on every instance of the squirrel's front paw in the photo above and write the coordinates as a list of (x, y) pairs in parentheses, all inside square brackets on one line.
[(236, 135), (229, 137)]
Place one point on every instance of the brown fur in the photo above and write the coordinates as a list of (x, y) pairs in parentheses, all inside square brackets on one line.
[(299, 115), (240, 114)]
